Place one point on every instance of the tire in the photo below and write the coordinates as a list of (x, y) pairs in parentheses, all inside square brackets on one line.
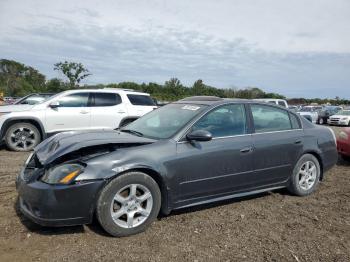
[(117, 198), (299, 180), (22, 137), (321, 121)]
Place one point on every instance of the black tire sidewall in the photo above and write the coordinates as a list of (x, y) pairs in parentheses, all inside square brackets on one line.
[(16, 126), (294, 186), (109, 191)]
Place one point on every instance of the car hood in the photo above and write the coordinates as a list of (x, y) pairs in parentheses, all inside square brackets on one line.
[(15, 108), (61, 144), (339, 116)]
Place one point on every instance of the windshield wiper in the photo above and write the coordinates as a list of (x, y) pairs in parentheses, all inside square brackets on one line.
[(134, 132)]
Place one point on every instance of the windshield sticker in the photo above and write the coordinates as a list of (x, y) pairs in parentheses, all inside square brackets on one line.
[(193, 108)]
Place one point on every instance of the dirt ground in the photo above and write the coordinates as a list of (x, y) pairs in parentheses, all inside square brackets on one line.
[(268, 227)]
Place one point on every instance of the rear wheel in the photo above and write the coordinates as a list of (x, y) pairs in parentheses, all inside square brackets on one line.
[(128, 204), (321, 121), (306, 176), (22, 137)]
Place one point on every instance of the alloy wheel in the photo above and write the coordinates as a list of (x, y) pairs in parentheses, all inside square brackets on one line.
[(307, 175), (23, 138), (131, 206)]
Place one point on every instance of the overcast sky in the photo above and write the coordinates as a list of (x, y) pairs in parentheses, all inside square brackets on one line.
[(298, 48)]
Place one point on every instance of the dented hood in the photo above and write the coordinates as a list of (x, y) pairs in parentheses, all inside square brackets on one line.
[(64, 143)]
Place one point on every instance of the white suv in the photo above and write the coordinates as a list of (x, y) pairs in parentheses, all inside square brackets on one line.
[(22, 127)]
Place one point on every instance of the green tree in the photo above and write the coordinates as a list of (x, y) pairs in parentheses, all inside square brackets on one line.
[(75, 72)]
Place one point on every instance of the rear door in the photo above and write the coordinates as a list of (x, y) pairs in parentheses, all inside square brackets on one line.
[(73, 113), (107, 110), (277, 142)]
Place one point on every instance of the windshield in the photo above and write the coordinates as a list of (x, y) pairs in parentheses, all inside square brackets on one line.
[(33, 99), (344, 113), (165, 121)]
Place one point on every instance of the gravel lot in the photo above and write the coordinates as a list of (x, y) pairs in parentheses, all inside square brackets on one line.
[(269, 227)]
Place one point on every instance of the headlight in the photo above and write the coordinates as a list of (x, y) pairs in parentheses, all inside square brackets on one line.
[(63, 174), (343, 135), (344, 118)]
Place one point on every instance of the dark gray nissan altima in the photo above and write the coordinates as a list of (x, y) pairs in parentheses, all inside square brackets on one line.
[(194, 151)]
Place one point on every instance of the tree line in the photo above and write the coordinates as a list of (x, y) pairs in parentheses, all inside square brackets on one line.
[(17, 79)]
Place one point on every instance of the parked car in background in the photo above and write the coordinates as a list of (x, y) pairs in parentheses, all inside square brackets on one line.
[(343, 143), (9, 100), (33, 99), (279, 102), (341, 118), (310, 112), (195, 151), (326, 112), (23, 126)]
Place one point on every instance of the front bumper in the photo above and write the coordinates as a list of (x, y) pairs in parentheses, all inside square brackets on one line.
[(57, 205), (337, 122)]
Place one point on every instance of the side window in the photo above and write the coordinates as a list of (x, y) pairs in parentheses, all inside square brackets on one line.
[(268, 118), (107, 99), (228, 120), (295, 121), (74, 100), (141, 100), (281, 103)]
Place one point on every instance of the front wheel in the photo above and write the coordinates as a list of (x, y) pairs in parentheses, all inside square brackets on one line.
[(321, 121), (128, 204), (22, 137), (306, 176)]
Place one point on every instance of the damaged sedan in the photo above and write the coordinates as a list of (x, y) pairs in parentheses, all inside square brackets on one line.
[(194, 151)]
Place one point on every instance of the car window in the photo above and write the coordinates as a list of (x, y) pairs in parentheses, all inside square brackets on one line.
[(281, 103), (268, 118), (141, 100), (74, 100), (107, 99), (295, 121), (33, 100), (228, 120)]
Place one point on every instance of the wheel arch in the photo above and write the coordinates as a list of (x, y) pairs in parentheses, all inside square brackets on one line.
[(164, 209), (31, 120)]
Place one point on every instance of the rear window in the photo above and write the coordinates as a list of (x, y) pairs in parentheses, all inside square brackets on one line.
[(281, 103), (107, 99), (141, 100)]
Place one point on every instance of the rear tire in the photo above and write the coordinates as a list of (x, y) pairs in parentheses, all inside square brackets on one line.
[(321, 121), (306, 176), (128, 204), (22, 137)]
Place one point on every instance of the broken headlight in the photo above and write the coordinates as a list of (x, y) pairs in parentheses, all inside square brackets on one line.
[(62, 174)]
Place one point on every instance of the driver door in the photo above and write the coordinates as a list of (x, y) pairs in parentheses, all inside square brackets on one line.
[(219, 166), (73, 113)]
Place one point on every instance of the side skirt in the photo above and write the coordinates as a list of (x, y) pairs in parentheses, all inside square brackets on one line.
[(237, 195)]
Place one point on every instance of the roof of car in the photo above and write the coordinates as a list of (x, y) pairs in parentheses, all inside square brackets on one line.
[(112, 90), (213, 100)]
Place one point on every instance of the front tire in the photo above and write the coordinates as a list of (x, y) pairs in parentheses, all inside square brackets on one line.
[(128, 204), (22, 137), (321, 121), (306, 176)]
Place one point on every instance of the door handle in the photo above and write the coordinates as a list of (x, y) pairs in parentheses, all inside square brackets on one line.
[(246, 150), (121, 111), (84, 112), (298, 141)]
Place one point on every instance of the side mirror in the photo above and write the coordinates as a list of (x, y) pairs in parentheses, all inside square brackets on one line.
[(199, 135), (54, 104)]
